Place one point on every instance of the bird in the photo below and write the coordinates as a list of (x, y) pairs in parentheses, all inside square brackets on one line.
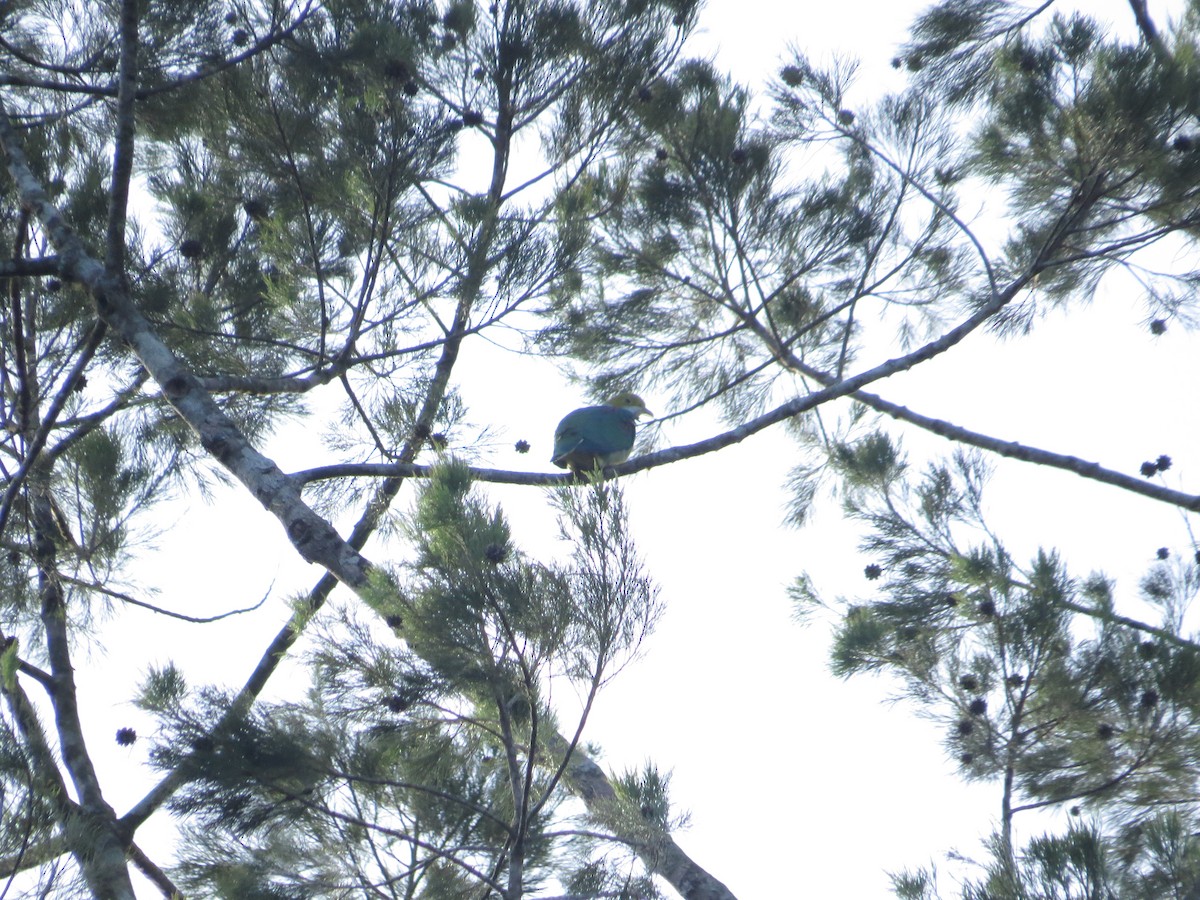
[(593, 437)]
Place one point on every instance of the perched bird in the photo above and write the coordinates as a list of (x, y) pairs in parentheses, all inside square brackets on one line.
[(597, 436)]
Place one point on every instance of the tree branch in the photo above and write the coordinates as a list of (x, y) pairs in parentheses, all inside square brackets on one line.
[(661, 854), (88, 348), (94, 841), (1016, 450), (314, 538), (133, 601), (156, 875), (1149, 32), (29, 268), (114, 90)]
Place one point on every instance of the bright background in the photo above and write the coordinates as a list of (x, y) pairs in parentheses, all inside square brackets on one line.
[(798, 784)]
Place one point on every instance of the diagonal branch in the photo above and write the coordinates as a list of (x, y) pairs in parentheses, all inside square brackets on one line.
[(1024, 452), (314, 539), (1149, 32), (90, 344), (152, 871)]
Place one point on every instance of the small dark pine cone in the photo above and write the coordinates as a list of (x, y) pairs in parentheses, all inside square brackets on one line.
[(1104, 731), (978, 706), (1158, 326), (1149, 698), (522, 446), (256, 209), (126, 736), (1162, 552), (969, 683), (872, 571), (792, 76), (1163, 463), (397, 69), (1148, 469), (987, 608), (965, 727)]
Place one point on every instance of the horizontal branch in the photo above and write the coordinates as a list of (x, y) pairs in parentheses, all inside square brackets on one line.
[(30, 268), (419, 470), (798, 405), (133, 601)]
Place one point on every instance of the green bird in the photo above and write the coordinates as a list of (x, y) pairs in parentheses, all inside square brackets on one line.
[(596, 436)]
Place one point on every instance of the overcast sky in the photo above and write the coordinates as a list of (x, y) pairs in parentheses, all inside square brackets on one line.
[(798, 784)]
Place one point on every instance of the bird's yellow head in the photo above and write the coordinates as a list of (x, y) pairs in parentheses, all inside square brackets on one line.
[(629, 400)]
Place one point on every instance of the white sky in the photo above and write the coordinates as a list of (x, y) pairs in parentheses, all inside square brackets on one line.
[(799, 785)]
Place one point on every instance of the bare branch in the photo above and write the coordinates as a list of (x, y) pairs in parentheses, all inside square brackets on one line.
[(1026, 453), (156, 875), (133, 601), (29, 268)]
